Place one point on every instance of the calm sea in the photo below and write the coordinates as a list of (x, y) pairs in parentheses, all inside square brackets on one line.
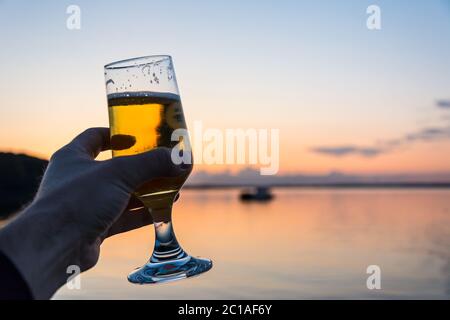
[(305, 244)]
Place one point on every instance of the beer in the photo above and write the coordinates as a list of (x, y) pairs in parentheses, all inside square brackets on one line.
[(141, 121)]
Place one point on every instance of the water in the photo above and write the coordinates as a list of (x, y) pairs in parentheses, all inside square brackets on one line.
[(305, 244)]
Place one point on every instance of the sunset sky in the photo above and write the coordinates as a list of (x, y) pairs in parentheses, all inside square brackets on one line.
[(344, 97)]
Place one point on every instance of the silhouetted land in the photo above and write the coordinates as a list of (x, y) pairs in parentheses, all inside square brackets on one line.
[(19, 180)]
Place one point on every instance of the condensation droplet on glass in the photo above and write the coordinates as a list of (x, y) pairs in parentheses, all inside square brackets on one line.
[(146, 67)]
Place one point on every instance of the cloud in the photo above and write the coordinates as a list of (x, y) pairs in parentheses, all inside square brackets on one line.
[(384, 146), (340, 151), (444, 104), (428, 134)]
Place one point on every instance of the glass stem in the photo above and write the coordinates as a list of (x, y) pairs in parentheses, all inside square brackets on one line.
[(166, 244)]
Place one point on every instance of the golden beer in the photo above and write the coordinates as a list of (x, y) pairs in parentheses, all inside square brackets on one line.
[(141, 121)]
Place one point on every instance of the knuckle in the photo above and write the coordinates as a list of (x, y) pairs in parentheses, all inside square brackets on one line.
[(89, 131), (59, 154), (86, 134)]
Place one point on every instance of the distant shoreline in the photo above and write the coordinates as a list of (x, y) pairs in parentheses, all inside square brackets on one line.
[(418, 185)]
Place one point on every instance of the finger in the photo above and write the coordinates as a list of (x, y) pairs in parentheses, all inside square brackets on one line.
[(130, 220), (137, 169), (91, 142)]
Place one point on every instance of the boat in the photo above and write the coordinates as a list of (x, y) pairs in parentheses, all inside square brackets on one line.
[(256, 194)]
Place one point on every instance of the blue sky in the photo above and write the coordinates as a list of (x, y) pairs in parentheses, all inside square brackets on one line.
[(310, 68)]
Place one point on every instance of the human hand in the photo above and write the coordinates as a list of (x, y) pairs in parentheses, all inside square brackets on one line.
[(79, 203)]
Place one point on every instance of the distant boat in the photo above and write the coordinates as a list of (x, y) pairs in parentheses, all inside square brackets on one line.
[(257, 194)]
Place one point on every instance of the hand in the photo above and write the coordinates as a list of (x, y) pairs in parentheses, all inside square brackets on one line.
[(79, 203)]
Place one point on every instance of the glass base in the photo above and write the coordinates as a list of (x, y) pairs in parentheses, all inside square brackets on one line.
[(170, 270)]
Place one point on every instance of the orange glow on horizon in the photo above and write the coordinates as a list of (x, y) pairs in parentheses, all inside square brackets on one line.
[(296, 160)]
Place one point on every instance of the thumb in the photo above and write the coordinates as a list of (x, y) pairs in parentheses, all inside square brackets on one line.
[(140, 168)]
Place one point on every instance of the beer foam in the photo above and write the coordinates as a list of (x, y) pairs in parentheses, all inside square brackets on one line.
[(144, 94)]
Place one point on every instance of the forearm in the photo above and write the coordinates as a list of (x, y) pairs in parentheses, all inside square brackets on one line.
[(41, 245)]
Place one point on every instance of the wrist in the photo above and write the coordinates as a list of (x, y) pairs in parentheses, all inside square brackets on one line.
[(41, 245)]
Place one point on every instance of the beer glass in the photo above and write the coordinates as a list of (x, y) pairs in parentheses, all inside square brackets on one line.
[(145, 109)]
